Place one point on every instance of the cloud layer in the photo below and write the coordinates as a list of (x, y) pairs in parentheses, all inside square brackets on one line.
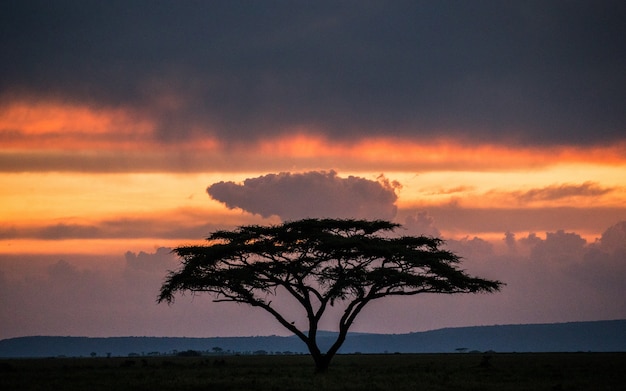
[(311, 194), (556, 277), (543, 73)]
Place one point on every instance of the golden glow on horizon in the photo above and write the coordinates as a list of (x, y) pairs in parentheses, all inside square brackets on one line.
[(65, 195), (36, 196), (505, 189), (152, 181)]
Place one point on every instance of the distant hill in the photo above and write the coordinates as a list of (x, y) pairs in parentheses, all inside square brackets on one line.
[(600, 336)]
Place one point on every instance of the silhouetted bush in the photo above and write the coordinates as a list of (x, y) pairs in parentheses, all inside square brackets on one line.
[(189, 353)]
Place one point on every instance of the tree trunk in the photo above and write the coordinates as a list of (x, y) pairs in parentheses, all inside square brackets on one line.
[(322, 362)]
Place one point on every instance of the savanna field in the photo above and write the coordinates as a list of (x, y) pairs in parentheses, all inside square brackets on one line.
[(463, 371)]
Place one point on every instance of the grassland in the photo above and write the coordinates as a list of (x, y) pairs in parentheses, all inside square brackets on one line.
[(523, 371)]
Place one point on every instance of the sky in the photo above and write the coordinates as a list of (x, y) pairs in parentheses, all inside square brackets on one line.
[(130, 128)]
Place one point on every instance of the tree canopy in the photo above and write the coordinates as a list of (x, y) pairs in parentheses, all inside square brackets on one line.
[(319, 262)]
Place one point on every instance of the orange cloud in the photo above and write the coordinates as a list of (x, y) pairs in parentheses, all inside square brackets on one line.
[(41, 118), (405, 154), (49, 136), (46, 125), (565, 191), (108, 154), (110, 233), (583, 196), (51, 127)]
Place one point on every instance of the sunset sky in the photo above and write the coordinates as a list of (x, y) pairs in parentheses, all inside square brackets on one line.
[(128, 128)]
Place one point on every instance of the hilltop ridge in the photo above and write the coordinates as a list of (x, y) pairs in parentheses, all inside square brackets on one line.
[(596, 336)]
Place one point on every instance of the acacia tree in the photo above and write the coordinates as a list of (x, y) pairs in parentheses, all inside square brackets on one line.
[(319, 263)]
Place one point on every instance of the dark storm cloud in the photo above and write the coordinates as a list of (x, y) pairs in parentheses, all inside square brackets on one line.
[(537, 72), (311, 194)]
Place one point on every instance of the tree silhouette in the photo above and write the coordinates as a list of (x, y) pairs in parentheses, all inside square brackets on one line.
[(319, 263)]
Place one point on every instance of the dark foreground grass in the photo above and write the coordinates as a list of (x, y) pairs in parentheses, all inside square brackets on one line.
[(553, 371)]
